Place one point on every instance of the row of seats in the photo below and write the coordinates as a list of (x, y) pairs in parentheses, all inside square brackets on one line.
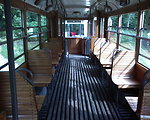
[(125, 72), (32, 80), (119, 63)]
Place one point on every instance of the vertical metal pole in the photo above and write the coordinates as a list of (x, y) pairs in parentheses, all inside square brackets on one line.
[(12, 76)]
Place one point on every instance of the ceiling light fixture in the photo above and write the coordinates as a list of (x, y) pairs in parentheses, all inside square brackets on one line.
[(76, 13), (107, 8), (124, 2)]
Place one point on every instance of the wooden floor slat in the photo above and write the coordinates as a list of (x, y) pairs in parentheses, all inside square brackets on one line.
[(78, 92)]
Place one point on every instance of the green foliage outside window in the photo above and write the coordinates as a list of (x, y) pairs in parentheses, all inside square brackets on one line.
[(128, 42), (32, 19), (43, 20), (113, 23), (130, 20), (2, 18), (112, 37)]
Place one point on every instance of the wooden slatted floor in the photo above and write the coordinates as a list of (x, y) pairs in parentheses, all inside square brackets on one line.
[(78, 92)]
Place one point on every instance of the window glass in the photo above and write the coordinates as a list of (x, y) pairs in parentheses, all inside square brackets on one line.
[(76, 28), (127, 42), (3, 45), (44, 36), (2, 18), (129, 23), (17, 33), (144, 61), (2, 36), (16, 17), (18, 48), (32, 31), (144, 56), (32, 19), (112, 36), (43, 21), (33, 41), (3, 54), (19, 61), (113, 23), (145, 48), (145, 31), (102, 20)]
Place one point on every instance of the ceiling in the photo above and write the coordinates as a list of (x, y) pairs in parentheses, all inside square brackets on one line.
[(78, 8)]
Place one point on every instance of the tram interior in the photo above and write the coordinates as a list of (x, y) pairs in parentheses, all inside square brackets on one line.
[(74, 59)]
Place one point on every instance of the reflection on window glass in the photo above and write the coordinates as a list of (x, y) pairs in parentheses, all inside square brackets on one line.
[(44, 37), (16, 17), (145, 48), (18, 48), (112, 36), (3, 54), (145, 31), (145, 52), (32, 19), (113, 23), (102, 20), (2, 18), (130, 20), (2, 36), (33, 41), (43, 21), (43, 29), (32, 30), (128, 42), (17, 33), (129, 23), (19, 61), (144, 61)]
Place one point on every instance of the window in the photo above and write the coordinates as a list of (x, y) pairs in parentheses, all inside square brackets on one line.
[(94, 26), (128, 31), (112, 37), (18, 40), (145, 27), (144, 50), (32, 30), (3, 43), (18, 37), (44, 29), (102, 20), (112, 28), (129, 23), (76, 28), (113, 23), (127, 42)]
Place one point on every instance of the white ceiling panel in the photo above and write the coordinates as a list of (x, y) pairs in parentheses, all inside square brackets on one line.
[(82, 6)]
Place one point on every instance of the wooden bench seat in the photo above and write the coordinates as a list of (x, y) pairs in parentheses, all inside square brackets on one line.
[(123, 72), (40, 64), (56, 50), (27, 109), (97, 46)]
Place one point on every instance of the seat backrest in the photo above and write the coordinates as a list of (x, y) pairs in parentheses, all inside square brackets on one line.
[(98, 44), (27, 109), (106, 50), (123, 64), (144, 97), (40, 61)]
